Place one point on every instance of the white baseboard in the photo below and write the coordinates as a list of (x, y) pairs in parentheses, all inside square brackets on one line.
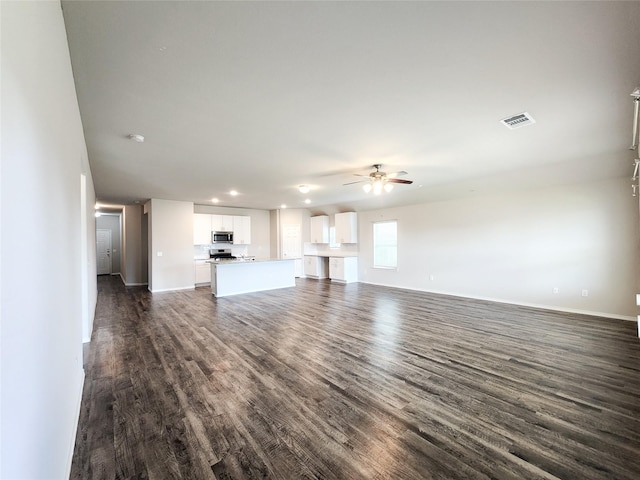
[(192, 287), (75, 428), (522, 304)]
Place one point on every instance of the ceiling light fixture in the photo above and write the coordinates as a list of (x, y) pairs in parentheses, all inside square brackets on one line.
[(379, 181), (377, 185), (304, 188), (307, 201), (233, 193), (283, 206), (215, 200), (136, 137)]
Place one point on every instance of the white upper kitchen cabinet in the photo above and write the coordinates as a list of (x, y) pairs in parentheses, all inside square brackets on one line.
[(346, 227), (319, 227), (222, 223), (241, 230), (201, 229)]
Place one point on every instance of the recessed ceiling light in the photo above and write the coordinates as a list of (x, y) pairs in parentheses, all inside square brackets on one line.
[(136, 137), (233, 193), (307, 201), (303, 188), (215, 200), (283, 206)]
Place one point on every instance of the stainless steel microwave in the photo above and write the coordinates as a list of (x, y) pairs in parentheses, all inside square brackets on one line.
[(221, 237)]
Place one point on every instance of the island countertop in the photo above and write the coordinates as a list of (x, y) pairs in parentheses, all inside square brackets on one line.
[(246, 260), (231, 277)]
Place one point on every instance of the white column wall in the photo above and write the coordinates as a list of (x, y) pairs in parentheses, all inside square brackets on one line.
[(133, 261), (171, 235)]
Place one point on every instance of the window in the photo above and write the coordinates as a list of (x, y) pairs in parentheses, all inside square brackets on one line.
[(385, 244)]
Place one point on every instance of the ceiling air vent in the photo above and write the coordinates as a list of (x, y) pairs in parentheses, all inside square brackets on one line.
[(520, 120)]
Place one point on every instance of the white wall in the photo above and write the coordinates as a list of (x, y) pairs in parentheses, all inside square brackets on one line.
[(517, 247), (43, 300), (260, 242), (171, 234)]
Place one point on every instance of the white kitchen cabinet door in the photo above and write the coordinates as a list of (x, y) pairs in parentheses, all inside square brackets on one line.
[(315, 267), (346, 227), (310, 266), (201, 229), (343, 269), (203, 273), (319, 227), (222, 223), (241, 230)]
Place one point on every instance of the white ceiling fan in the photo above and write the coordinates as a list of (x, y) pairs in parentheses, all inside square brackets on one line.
[(379, 180)]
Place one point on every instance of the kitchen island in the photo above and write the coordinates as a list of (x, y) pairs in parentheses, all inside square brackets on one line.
[(233, 277)]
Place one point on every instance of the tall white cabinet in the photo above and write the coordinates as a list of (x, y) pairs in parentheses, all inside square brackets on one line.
[(241, 230), (346, 225), (201, 229), (319, 228)]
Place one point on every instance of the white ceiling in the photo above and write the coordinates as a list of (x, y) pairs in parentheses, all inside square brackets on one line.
[(264, 96)]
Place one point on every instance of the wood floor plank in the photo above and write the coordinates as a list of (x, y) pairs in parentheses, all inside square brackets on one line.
[(354, 382)]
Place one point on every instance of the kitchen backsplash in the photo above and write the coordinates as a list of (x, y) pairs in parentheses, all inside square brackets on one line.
[(323, 249), (202, 251)]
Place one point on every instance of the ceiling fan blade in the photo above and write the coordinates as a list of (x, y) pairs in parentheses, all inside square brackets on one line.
[(399, 180), (357, 181), (397, 174)]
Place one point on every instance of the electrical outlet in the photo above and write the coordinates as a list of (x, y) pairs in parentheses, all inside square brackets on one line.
[(555, 290), (159, 254), (585, 292), (432, 277)]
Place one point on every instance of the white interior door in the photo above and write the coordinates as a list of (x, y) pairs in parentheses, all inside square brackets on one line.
[(103, 251), (292, 246), (291, 241)]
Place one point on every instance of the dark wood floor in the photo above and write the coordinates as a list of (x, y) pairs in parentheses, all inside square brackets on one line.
[(354, 382)]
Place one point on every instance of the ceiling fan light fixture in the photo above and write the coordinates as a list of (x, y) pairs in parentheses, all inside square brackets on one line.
[(379, 181)]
